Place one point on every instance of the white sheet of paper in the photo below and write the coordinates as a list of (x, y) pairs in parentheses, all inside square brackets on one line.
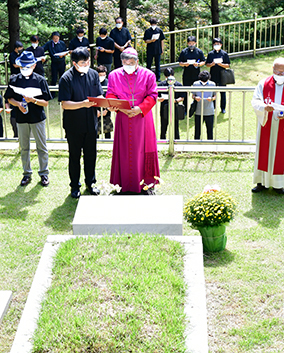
[(218, 60), (155, 36), (165, 96), (40, 58), (191, 61), (30, 92), (62, 53)]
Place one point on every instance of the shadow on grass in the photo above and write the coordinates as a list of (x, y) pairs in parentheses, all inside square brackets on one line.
[(266, 209), (218, 259), (61, 217), (14, 204)]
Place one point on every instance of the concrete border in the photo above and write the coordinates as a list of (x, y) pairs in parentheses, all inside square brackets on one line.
[(5, 299), (195, 307)]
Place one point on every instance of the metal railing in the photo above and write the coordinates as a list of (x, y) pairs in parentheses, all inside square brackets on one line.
[(231, 129), (247, 37)]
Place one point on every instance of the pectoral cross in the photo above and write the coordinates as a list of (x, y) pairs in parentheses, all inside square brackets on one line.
[(133, 101)]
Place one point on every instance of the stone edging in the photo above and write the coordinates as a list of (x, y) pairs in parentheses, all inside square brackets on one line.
[(195, 307)]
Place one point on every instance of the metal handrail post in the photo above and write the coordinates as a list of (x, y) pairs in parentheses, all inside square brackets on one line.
[(135, 40), (171, 114), (197, 33), (254, 34)]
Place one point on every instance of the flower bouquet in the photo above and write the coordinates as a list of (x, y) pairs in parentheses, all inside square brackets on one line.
[(210, 212)]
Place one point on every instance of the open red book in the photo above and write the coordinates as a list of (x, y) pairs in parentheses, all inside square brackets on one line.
[(110, 103)]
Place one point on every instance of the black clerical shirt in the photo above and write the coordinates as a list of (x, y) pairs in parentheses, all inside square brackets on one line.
[(108, 43), (215, 70), (53, 48), (190, 73), (38, 52), (36, 113), (75, 43), (76, 87), (154, 48)]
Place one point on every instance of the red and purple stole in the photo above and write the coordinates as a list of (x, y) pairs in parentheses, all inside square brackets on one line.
[(269, 96)]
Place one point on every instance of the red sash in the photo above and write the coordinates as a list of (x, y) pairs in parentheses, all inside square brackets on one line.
[(269, 96)]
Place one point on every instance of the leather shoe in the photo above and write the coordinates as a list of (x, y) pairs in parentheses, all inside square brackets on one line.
[(93, 190), (26, 180), (44, 180), (279, 191), (75, 193), (258, 188)]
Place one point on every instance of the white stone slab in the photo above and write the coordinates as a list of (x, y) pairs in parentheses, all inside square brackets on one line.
[(195, 306), (160, 214), (5, 299)]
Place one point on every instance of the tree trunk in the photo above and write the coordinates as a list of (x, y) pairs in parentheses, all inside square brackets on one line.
[(14, 25), (172, 28), (215, 17), (123, 11), (91, 28)]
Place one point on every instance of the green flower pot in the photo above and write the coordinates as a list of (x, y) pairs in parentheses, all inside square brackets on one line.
[(214, 239)]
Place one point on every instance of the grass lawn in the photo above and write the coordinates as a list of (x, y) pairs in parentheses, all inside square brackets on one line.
[(114, 294), (244, 283)]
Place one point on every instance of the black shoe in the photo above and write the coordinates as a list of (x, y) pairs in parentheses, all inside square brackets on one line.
[(258, 188), (223, 111), (44, 180), (93, 190), (279, 191), (26, 180), (75, 193)]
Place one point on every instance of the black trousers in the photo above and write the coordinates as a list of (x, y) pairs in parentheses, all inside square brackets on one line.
[(57, 68), (76, 143), (223, 97), (116, 59), (209, 121), (1, 127), (157, 58), (165, 121)]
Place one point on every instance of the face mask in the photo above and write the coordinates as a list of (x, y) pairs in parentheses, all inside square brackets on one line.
[(26, 72), (217, 47), (20, 51), (154, 27), (103, 38), (129, 69), (102, 78), (119, 25), (34, 45), (83, 69), (279, 79), (80, 38), (191, 47)]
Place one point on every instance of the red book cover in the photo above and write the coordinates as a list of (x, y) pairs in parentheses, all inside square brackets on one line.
[(110, 103)]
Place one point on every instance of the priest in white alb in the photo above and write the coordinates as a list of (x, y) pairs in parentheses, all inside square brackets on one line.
[(268, 103)]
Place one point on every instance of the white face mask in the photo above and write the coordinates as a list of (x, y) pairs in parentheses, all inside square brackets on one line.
[(119, 25), (83, 69), (217, 47), (129, 69), (103, 37), (154, 27), (80, 38), (279, 79), (26, 72), (34, 45), (102, 78)]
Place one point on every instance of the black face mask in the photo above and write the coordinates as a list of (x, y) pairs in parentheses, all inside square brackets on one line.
[(20, 51)]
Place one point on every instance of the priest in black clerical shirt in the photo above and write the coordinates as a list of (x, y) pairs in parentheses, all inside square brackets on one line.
[(38, 54), (80, 118), (79, 40)]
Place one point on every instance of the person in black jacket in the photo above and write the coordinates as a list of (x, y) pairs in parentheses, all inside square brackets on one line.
[(154, 38), (218, 60), (179, 97), (38, 54), (79, 40)]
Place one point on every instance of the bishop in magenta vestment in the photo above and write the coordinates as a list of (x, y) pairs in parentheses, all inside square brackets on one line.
[(135, 156)]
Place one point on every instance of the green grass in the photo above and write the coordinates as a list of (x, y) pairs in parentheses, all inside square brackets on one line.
[(114, 294)]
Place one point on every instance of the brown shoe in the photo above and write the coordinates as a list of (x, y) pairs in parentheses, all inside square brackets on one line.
[(26, 180), (44, 180), (258, 188)]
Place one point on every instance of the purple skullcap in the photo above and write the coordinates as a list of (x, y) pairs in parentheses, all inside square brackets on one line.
[(130, 51)]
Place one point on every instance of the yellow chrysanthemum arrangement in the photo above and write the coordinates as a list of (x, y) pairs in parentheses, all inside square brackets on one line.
[(212, 207)]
